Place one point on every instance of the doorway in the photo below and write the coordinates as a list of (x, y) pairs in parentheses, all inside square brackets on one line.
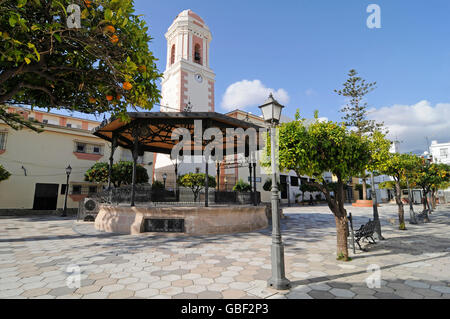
[(45, 196)]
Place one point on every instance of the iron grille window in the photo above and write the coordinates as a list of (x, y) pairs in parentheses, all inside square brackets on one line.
[(81, 148), (92, 189), (294, 181), (76, 189)]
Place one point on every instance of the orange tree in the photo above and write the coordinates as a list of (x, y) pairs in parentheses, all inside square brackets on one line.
[(430, 176), (325, 146), (122, 173), (104, 65), (196, 182), (399, 166)]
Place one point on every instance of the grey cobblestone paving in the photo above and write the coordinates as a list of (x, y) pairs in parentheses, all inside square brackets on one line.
[(36, 255)]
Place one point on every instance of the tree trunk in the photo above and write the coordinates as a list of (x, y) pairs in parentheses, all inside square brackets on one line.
[(424, 201), (426, 206), (433, 199), (401, 212), (364, 187), (341, 236)]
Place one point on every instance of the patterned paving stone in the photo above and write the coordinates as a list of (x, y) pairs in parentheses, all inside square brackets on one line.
[(210, 295), (147, 293), (88, 290), (112, 288), (345, 293), (96, 295), (321, 294), (441, 289), (418, 256), (35, 292), (383, 295), (121, 294), (61, 291)]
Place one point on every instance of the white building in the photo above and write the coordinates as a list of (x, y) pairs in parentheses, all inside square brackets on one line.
[(440, 152)]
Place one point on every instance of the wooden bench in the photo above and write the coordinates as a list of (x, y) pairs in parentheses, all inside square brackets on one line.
[(365, 232)]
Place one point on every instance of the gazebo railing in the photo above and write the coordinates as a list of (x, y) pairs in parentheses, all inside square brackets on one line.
[(144, 194)]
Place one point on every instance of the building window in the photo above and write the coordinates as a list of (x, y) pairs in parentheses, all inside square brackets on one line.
[(81, 147), (76, 189), (68, 125), (3, 136), (294, 181), (443, 152), (87, 148), (172, 55), (197, 170), (45, 121), (63, 189), (197, 55), (92, 189)]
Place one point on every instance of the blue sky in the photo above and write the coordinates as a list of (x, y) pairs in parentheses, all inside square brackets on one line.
[(306, 49)]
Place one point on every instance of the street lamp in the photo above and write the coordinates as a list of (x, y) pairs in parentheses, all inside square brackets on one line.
[(271, 111), (164, 179), (68, 171)]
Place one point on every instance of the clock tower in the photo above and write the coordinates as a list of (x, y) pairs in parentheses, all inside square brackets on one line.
[(188, 77)]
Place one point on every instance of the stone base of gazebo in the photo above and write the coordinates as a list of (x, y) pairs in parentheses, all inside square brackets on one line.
[(187, 220)]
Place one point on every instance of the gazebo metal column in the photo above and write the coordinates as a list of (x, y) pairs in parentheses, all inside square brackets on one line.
[(111, 161), (135, 154), (251, 177), (206, 182), (255, 193)]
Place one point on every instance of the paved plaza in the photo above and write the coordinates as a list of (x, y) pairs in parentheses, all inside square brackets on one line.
[(39, 254)]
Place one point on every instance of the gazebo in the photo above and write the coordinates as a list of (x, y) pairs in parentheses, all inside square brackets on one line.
[(152, 132)]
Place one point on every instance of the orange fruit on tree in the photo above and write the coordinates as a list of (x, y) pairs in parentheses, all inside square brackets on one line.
[(114, 38), (109, 97), (142, 68), (118, 97), (87, 3), (127, 86), (110, 29), (92, 100)]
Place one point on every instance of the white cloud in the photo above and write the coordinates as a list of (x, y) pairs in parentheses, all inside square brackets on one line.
[(411, 124), (245, 93)]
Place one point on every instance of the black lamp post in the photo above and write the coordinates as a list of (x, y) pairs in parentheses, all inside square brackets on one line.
[(68, 171), (271, 111), (164, 179)]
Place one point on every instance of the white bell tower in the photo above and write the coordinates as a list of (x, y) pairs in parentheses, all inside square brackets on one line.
[(188, 77)]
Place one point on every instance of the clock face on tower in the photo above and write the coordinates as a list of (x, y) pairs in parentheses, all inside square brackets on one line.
[(198, 78)]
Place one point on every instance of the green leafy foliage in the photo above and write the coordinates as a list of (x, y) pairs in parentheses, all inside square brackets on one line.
[(122, 173), (196, 182), (355, 89), (4, 174), (157, 185), (267, 186), (320, 147), (104, 66), (242, 186)]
